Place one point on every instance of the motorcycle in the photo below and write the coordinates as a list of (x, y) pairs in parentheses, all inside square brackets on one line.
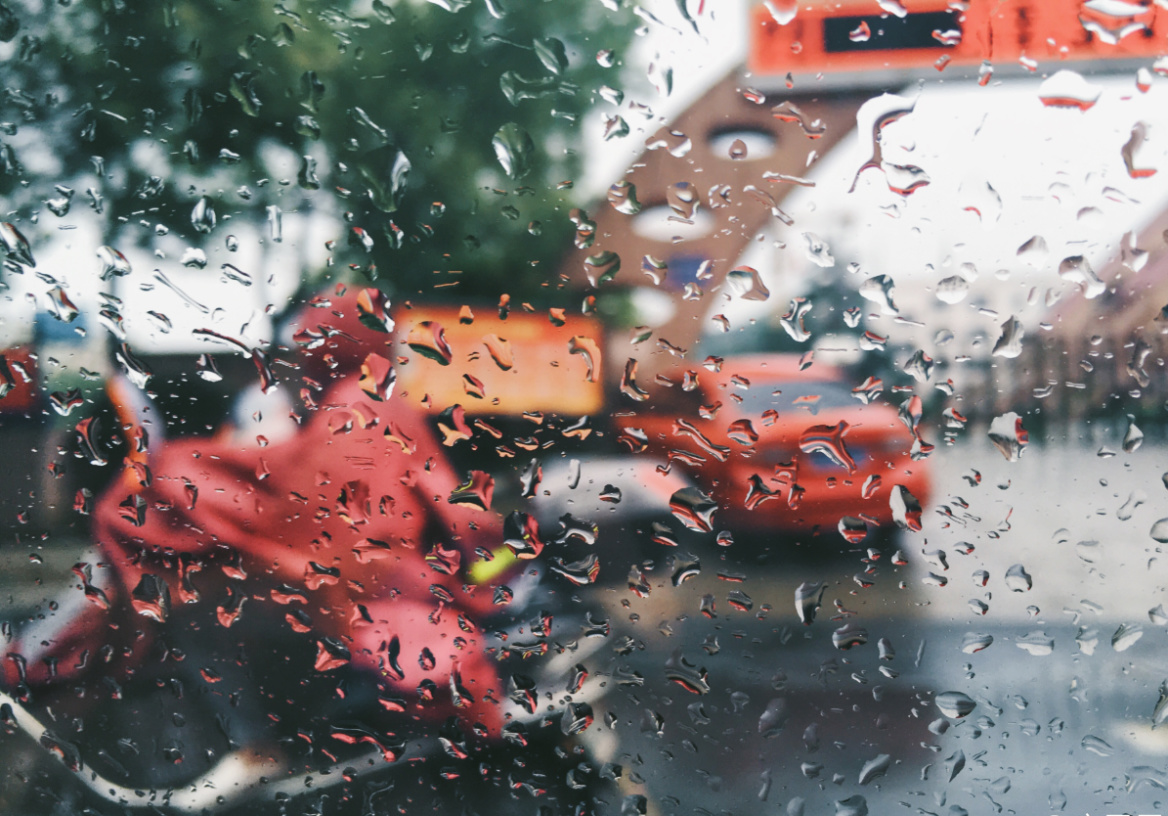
[(166, 741)]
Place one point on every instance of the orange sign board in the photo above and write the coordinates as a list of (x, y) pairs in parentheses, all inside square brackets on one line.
[(857, 36), (499, 367)]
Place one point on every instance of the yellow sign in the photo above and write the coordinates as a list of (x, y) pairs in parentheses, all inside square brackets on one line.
[(526, 363)]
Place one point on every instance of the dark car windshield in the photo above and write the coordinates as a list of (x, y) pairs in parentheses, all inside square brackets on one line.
[(787, 395)]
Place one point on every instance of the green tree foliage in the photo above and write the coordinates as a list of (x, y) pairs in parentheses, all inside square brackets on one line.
[(382, 112)]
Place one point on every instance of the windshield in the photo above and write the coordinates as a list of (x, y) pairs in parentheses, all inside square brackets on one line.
[(784, 396), (583, 407)]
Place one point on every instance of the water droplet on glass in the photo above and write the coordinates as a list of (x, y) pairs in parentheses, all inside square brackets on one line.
[(829, 441), (1096, 745), (623, 197), (428, 338), (206, 368), (1126, 636), (808, 597), (692, 678), (113, 263), (875, 768), (203, 216), (306, 176), (579, 573), (160, 321), (58, 205), (234, 273), (453, 6), (853, 805), (64, 402), (974, 642), (514, 149), (879, 290), (660, 77), (1133, 437), (1077, 269), (782, 11), (15, 245), (377, 377), (848, 636), (694, 509), (615, 127), (1160, 711), (1009, 344), (745, 282), (385, 172), (475, 492), (1038, 644), (264, 368), (1068, 89), (551, 53), (952, 289), (194, 258), (500, 350), (602, 267), (817, 251), (517, 88), (906, 509), (792, 321), (61, 306), (628, 383), (1018, 579), (953, 765), (587, 348), (1159, 531), (774, 717), (955, 704), (920, 367), (373, 310), (1034, 251), (275, 223), (787, 111), (1008, 435), (1144, 79), (1135, 169), (307, 126), (577, 717)]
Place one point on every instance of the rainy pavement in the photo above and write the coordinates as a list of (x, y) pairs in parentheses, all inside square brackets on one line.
[(1031, 595), (1032, 590)]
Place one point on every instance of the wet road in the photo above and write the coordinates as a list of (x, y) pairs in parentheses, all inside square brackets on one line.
[(1059, 654), (720, 700)]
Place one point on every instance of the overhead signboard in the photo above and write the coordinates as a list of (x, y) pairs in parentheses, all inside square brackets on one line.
[(857, 36), (497, 367)]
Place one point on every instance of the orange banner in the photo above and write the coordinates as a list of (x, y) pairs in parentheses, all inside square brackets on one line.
[(856, 36), (499, 367)]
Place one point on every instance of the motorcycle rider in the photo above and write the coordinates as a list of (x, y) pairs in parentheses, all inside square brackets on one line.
[(344, 517)]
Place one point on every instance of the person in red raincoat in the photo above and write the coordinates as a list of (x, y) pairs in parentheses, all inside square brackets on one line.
[(350, 526)]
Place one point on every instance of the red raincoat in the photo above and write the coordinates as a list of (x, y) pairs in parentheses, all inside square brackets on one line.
[(347, 523)]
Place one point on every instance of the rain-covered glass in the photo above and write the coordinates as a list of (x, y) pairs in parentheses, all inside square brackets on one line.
[(628, 407)]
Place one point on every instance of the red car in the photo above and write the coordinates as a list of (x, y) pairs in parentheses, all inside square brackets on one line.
[(779, 447)]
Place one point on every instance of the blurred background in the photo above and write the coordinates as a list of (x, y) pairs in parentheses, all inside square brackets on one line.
[(859, 304)]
